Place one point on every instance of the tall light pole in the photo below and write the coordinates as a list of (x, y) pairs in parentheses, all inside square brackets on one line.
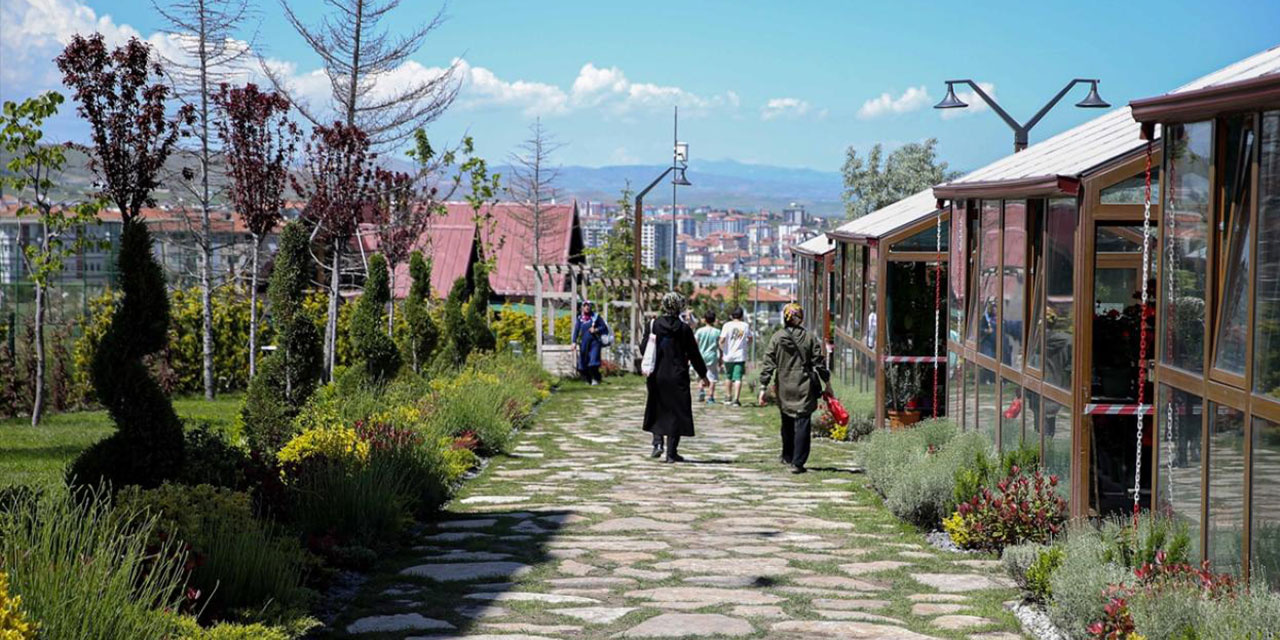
[(1020, 130), (679, 163)]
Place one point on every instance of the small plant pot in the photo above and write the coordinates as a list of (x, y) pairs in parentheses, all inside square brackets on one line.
[(901, 419)]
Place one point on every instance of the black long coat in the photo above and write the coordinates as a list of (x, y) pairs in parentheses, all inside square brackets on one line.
[(668, 411)]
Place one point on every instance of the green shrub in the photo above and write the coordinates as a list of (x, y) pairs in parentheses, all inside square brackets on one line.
[(888, 452), (477, 313), (1038, 574), (288, 376), (1017, 560), (378, 354), (421, 333), (84, 570), (240, 568), (1022, 507), (915, 469), (456, 339), (1131, 548), (184, 355), (186, 628), (1254, 615), (1079, 584), (366, 504), (211, 459), (147, 447)]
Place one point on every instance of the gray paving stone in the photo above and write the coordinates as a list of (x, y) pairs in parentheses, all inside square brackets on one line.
[(686, 625), (961, 582), (467, 571), (595, 615), (957, 622), (847, 630), (397, 622)]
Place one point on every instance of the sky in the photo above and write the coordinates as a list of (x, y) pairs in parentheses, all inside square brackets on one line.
[(765, 82)]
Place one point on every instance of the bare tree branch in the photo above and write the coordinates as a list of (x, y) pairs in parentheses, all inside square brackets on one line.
[(532, 184)]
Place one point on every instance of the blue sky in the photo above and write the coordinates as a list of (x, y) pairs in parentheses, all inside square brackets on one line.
[(786, 83)]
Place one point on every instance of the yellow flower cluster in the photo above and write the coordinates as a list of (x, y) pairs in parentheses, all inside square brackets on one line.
[(337, 444), (13, 623), (957, 527), (405, 416), (468, 378)]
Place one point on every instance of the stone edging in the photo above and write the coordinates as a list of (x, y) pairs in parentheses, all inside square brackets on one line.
[(1035, 621)]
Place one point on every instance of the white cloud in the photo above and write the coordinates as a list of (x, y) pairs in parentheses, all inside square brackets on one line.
[(976, 104), (785, 108), (914, 98), (33, 32)]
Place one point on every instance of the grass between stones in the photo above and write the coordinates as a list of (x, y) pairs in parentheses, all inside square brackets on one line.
[(582, 463)]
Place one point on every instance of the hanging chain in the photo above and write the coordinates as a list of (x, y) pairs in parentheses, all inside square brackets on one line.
[(1142, 345), (937, 314), (1169, 235)]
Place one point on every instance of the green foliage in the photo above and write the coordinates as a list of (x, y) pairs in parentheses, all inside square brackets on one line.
[(1047, 561), (457, 339), (239, 566), (365, 504), (288, 376), (1131, 547), (185, 352), (84, 570), (1079, 583), (186, 628), (868, 186), (515, 326), (1017, 561), (477, 315), (422, 335), (915, 469), (147, 447), (379, 357), (212, 460)]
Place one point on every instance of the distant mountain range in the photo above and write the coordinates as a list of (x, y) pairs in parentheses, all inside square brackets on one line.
[(720, 183)]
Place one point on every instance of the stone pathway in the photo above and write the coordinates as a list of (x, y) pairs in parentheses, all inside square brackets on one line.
[(578, 534)]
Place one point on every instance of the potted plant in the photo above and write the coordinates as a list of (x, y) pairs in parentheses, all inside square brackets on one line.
[(902, 387)]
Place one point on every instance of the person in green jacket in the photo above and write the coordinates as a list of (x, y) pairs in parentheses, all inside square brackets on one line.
[(795, 363)]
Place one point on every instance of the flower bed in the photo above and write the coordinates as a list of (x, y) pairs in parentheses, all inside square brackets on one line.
[(243, 538)]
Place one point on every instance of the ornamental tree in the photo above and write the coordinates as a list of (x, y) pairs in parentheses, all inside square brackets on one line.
[(259, 143), (377, 351), (31, 169), (339, 186), (121, 94), (423, 333)]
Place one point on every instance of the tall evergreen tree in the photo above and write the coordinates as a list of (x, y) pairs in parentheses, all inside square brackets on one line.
[(457, 342), (377, 351), (478, 331), (423, 334)]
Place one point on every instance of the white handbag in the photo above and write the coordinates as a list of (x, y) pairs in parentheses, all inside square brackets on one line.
[(650, 360)]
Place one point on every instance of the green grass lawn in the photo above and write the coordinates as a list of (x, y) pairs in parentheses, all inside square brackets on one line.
[(38, 456)]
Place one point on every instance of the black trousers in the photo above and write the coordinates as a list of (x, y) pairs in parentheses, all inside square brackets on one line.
[(795, 439), (672, 446), (592, 374)]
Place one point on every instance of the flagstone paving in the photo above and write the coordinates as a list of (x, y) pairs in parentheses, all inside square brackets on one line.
[(578, 534)]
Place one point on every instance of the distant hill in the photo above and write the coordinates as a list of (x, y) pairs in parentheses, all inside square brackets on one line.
[(721, 183)]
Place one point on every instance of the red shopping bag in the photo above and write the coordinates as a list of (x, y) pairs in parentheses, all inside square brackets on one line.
[(838, 412)]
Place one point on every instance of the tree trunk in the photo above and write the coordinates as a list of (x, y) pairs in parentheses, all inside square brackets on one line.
[(37, 405), (253, 309), (331, 328), (206, 230)]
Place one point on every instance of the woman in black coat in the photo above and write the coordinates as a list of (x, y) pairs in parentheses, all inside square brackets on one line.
[(668, 411)]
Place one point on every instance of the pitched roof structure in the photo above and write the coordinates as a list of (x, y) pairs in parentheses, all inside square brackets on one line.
[(818, 245), (450, 240), (884, 221)]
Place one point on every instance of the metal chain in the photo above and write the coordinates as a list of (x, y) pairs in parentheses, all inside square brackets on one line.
[(1142, 332), (937, 314), (1169, 235)]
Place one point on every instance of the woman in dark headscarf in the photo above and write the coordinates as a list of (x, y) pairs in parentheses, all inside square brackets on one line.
[(588, 330), (668, 412), (795, 362)]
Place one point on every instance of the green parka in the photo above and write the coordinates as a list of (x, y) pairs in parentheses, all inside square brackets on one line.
[(795, 361)]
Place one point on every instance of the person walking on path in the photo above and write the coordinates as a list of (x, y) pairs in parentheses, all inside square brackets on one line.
[(668, 410), (588, 332), (708, 337), (794, 363), (734, 338)]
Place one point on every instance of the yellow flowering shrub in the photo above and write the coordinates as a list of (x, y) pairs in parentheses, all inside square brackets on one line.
[(457, 460), (339, 444), (957, 527), (13, 622)]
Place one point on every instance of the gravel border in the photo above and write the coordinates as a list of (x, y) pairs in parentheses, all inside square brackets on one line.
[(1035, 621), (942, 541)]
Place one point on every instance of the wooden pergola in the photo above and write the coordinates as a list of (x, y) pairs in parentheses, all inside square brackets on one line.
[(558, 358)]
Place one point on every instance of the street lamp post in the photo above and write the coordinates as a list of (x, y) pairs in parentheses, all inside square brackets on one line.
[(679, 163), (1020, 130)]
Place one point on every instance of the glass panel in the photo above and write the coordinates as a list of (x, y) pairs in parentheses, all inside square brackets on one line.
[(1113, 290), (1266, 325), (1013, 313), (1264, 510), (988, 405), (1179, 488), (1189, 150), (955, 388), (988, 282), (871, 324), (1060, 232), (1035, 346), (1237, 185), (1133, 190), (1058, 426), (910, 297), (955, 295), (971, 261), (1119, 239), (970, 396), (1032, 428), (1011, 408), (858, 280), (1226, 488), (926, 240)]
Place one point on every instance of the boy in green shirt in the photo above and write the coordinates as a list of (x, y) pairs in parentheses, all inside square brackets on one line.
[(708, 338)]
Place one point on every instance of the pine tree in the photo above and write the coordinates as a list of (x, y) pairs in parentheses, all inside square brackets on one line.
[(423, 334), (481, 336), (457, 342)]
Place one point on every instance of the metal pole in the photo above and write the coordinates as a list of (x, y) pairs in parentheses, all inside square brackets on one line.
[(675, 138)]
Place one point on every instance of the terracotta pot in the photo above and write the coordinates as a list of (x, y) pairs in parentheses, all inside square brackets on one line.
[(901, 419)]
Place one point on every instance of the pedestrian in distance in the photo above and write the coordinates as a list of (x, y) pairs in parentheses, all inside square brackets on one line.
[(795, 364), (708, 337), (589, 331), (668, 410), (735, 336)]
